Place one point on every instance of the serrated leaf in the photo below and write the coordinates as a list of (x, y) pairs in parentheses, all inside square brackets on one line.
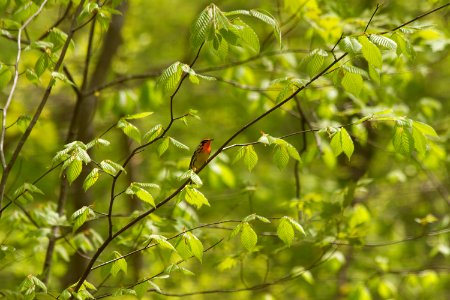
[(355, 70), (62, 77), (73, 170), (194, 197), (96, 142), (36, 281), (195, 245), (314, 61), (41, 64), (281, 156), (403, 46), (371, 52), (295, 224), (118, 265), (292, 151), (138, 115), (285, 231), (425, 128), (162, 241), (27, 187), (248, 237), (142, 288), (383, 41), (178, 144), (263, 16), (202, 27), (403, 140), (342, 142), (236, 230), (130, 130), (170, 77), (247, 35), (145, 196), (352, 83), (250, 157), (80, 216), (420, 142), (263, 219), (163, 146), (142, 194), (111, 167), (91, 179), (350, 45), (153, 133), (374, 74)]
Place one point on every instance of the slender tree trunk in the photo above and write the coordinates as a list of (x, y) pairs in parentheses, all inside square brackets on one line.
[(84, 123)]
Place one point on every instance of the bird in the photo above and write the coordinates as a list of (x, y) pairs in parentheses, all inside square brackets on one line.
[(200, 155)]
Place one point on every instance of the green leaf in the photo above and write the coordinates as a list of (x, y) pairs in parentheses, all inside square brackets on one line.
[(262, 219), (247, 35), (41, 64), (285, 231), (296, 225), (352, 83), (118, 265), (73, 170), (263, 16), (342, 142), (138, 115), (170, 77), (163, 146), (248, 237), (403, 140), (250, 157), (142, 288), (141, 193), (194, 197), (292, 151), (153, 133), (27, 187), (424, 128), (374, 74), (383, 41), (162, 241), (62, 77), (420, 142), (314, 61), (195, 245), (403, 45), (37, 282), (91, 179), (178, 144), (111, 167), (80, 216), (130, 130), (202, 27), (281, 156), (371, 52), (350, 45)]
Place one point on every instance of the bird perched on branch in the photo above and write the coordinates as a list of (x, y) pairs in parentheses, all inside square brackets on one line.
[(200, 155)]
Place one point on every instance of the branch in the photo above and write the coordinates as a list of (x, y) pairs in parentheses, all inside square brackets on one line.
[(112, 236), (39, 109)]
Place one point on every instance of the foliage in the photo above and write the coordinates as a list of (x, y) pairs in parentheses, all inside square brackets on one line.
[(328, 177)]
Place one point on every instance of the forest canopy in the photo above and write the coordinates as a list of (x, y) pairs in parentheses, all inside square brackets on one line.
[(328, 176)]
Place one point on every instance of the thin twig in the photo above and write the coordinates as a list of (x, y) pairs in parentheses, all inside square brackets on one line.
[(14, 85), (373, 15), (39, 109)]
